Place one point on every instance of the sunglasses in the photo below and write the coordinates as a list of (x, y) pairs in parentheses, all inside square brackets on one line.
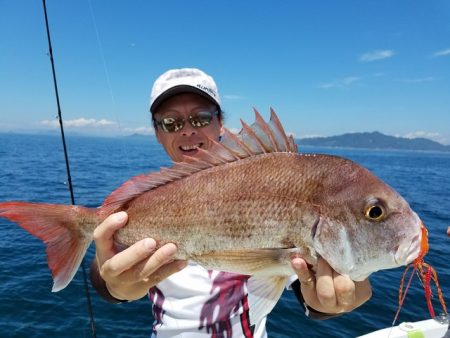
[(174, 124)]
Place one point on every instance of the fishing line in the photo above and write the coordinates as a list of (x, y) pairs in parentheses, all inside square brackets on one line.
[(402, 299), (66, 157), (100, 46), (108, 80)]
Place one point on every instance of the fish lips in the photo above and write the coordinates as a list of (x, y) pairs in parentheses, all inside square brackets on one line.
[(411, 247), (408, 251)]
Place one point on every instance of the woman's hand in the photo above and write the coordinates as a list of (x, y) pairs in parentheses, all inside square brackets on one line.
[(130, 273), (327, 291)]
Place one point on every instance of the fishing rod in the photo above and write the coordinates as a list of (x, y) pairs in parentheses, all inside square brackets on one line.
[(66, 157)]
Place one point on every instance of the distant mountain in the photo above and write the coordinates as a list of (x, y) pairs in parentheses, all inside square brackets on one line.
[(374, 140)]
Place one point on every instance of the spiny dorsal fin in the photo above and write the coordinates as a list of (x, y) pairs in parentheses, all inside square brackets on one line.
[(278, 131), (259, 138), (265, 132), (251, 138), (235, 144)]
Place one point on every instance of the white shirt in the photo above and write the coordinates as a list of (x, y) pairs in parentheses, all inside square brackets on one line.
[(196, 302)]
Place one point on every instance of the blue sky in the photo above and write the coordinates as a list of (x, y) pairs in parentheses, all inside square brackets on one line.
[(326, 67)]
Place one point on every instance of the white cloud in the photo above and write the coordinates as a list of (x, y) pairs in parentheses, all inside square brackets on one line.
[(419, 80), (311, 136), (140, 130), (78, 123), (234, 130), (445, 52), (376, 55), (291, 133), (327, 85), (233, 97), (429, 135), (349, 80), (341, 83), (49, 123)]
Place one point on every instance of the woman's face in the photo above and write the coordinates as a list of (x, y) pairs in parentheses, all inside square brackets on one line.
[(188, 139)]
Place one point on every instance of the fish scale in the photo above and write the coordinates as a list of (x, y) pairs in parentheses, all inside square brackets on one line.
[(234, 197), (246, 206)]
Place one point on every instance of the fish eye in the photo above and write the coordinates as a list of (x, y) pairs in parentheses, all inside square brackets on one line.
[(375, 212)]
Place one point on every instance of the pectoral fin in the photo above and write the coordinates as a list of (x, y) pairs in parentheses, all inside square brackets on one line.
[(264, 293), (260, 262)]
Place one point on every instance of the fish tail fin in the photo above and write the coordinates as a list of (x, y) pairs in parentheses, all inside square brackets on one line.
[(66, 231)]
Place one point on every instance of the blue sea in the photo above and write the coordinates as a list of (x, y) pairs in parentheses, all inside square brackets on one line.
[(32, 169)]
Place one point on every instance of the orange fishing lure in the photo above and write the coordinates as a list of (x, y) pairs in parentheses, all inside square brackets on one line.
[(426, 274)]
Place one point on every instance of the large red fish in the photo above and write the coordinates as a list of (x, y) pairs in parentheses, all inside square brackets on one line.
[(245, 206)]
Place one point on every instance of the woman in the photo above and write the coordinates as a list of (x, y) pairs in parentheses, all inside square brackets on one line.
[(189, 300)]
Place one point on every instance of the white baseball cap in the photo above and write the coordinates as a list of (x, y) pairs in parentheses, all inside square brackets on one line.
[(184, 80)]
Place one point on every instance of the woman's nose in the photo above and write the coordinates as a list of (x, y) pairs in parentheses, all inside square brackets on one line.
[(188, 129)]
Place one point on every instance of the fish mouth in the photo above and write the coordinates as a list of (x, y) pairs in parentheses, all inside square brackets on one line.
[(408, 251), (190, 148)]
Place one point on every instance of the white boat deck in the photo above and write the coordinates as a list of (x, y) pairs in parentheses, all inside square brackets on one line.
[(431, 328)]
